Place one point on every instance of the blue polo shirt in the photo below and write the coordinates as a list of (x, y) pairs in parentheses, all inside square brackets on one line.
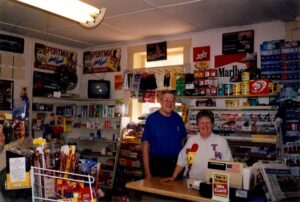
[(164, 134)]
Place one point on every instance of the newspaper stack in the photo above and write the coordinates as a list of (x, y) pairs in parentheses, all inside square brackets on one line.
[(277, 179)]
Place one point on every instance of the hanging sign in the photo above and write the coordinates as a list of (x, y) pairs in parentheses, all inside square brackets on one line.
[(220, 187), (50, 58), (201, 57), (11, 43), (102, 61)]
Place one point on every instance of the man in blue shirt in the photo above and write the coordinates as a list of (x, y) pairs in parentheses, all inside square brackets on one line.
[(162, 138)]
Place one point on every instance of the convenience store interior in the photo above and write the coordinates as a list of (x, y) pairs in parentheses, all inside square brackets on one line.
[(132, 23)]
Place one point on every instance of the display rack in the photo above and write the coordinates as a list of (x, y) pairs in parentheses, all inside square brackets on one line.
[(38, 175), (130, 164)]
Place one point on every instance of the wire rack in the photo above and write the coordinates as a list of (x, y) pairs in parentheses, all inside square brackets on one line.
[(39, 176)]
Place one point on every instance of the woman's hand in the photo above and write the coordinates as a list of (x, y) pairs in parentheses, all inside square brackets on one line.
[(168, 179), (148, 175)]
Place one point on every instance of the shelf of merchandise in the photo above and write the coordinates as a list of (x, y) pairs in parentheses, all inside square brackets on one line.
[(130, 164), (109, 160), (85, 119), (173, 68), (244, 141), (226, 96)]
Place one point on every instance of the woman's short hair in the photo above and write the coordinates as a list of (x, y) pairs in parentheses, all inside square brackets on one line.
[(206, 113)]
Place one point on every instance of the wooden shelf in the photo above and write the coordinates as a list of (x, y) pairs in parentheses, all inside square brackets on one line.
[(249, 108), (92, 140), (37, 98)]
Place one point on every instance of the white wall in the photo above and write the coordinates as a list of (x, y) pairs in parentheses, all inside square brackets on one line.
[(213, 38), (262, 32)]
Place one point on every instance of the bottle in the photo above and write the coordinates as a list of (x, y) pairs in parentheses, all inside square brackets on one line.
[(119, 108)]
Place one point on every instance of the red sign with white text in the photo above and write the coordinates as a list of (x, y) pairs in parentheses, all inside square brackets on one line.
[(201, 57)]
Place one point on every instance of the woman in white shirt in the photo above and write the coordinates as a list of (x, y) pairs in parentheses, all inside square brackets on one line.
[(200, 148)]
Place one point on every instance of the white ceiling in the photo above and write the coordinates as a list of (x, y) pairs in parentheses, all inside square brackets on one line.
[(129, 20)]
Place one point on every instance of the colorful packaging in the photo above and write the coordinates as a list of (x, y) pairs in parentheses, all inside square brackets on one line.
[(259, 87), (236, 88), (245, 88), (228, 89)]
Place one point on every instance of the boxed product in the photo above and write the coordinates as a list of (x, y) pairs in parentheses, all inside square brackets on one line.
[(259, 87)]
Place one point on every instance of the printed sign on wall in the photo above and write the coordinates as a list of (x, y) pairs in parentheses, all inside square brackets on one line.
[(201, 57), (50, 58), (238, 42), (229, 67), (157, 51), (11, 43), (102, 61)]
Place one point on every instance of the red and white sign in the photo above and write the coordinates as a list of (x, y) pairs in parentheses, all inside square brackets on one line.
[(259, 87), (229, 67), (220, 188), (201, 57)]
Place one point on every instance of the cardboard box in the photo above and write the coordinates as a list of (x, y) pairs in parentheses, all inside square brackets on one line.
[(259, 87)]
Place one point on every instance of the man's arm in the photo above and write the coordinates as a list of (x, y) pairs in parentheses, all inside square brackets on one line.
[(146, 162)]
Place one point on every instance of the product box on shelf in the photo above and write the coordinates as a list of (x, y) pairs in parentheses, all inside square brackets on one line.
[(259, 87)]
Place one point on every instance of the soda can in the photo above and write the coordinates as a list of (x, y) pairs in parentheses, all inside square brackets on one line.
[(236, 88)]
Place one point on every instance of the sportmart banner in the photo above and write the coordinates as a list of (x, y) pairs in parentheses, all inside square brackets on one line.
[(50, 58)]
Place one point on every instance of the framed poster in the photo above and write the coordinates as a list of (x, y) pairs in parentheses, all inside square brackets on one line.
[(11, 43), (157, 51), (6, 94), (102, 61), (238, 42), (50, 58)]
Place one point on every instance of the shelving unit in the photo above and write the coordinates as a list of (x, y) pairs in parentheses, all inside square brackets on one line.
[(130, 165), (91, 124), (251, 131)]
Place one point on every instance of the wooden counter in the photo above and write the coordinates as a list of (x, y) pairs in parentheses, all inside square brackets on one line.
[(176, 189)]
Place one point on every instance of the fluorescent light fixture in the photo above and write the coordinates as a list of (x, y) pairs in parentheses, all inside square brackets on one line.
[(76, 10)]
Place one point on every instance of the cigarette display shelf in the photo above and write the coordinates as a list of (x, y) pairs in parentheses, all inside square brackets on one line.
[(252, 132), (227, 96)]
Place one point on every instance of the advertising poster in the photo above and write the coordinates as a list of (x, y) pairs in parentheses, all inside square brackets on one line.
[(102, 61), (118, 81), (18, 175), (50, 58), (157, 51), (11, 43), (230, 67), (238, 42), (220, 187), (201, 57)]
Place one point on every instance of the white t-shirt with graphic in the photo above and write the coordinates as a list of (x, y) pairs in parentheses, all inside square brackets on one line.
[(197, 151)]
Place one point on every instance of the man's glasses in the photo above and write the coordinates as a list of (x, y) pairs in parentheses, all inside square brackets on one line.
[(168, 100)]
